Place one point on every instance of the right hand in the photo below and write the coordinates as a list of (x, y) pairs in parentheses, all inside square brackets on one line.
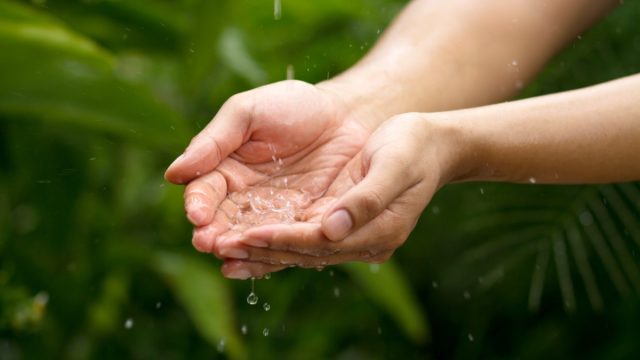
[(368, 211)]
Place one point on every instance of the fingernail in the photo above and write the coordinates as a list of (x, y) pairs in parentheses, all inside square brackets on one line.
[(196, 215), (234, 253), (338, 225), (240, 274), (177, 160)]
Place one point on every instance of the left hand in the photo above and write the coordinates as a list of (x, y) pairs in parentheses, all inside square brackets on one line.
[(367, 212)]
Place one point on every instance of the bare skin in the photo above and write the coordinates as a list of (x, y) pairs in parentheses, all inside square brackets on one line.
[(425, 61), (584, 136)]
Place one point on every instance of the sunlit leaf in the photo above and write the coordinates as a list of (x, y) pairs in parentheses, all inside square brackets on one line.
[(206, 298)]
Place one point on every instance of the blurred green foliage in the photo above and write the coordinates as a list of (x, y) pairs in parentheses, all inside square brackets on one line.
[(97, 96)]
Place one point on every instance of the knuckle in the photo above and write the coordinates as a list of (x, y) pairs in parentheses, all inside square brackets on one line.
[(371, 202)]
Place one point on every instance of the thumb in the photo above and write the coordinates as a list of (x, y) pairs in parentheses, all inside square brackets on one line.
[(385, 180), (222, 136)]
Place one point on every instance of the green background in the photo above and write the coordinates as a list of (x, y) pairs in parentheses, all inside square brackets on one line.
[(97, 97)]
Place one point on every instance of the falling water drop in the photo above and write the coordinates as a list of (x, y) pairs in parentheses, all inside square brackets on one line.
[(220, 346), (252, 299), (265, 331), (532, 180), (128, 324), (277, 9), (244, 329), (266, 306), (470, 336), (291, 72), (267, 276)]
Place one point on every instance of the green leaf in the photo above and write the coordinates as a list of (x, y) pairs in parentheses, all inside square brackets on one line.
[(388, 287), (594, 230), (206, 298), (50, 73)]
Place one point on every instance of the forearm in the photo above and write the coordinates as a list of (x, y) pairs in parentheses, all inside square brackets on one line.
[(441, 55), (590, 135)]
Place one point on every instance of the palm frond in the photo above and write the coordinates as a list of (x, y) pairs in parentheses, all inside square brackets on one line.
[(590, 232)]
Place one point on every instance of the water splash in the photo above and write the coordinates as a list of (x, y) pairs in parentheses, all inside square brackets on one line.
[(268, 205)]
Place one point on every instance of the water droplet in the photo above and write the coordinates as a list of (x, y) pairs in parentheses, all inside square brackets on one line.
[(466, 295), (244, 329), (266, 306), (379, 330), (532, 180), (128, 324), (265, 331), (374, 268), (277, 9), (470, 336), (291, 72), (435, 210), (267, 276), (481, 191), (434, 284), (220, 346), (514, 63), (336, 291), (330, 272), (252, 299), (319, 268), (158, 305)]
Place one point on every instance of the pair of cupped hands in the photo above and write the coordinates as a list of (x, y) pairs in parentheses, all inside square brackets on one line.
[(367, 184)]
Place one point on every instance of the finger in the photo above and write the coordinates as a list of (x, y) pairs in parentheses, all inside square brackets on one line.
[(235, 246), (206, 238), (223, 135), (242, 270), (303, 238), (386, 179), (202, 197)]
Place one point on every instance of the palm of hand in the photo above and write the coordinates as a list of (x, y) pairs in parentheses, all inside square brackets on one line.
[(296, 147)]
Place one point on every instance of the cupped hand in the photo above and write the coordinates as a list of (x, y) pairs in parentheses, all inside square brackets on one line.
[(366, 213), (268, 156)]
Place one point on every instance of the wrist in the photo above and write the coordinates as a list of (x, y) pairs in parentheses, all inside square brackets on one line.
[(362, 100), (456, 152)]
